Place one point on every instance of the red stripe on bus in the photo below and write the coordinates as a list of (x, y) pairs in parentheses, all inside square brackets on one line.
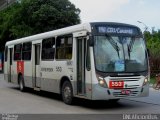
[(20, 67)]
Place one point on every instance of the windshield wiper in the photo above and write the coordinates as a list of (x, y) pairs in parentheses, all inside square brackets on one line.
[(130, 46), (113, 43)]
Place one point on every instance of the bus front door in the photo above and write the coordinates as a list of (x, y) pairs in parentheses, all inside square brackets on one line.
[(81, 51), (36, 68)]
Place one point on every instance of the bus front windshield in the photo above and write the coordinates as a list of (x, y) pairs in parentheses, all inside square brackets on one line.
[(120, 54)]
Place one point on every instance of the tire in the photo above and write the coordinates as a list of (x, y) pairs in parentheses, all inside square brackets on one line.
[(21, 83), (67, 93), (114, 100)]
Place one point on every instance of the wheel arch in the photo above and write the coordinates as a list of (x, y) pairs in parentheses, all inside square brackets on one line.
[(63, 79)]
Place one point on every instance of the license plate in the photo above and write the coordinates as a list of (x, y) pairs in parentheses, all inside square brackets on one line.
[(116, 84), (125, 92)]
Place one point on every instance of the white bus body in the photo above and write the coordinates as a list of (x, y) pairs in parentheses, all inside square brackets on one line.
[(66, 61)]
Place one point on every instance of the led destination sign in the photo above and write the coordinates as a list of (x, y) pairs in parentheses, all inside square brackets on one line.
[(117, 30)]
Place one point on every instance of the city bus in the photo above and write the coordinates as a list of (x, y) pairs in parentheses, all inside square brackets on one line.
[(95, 61)]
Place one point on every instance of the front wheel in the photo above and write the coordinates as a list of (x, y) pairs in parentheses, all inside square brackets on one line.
[(67, 93), (21, 83), (113, 100)]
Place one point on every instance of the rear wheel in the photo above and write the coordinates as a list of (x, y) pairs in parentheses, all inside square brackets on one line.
[(67, 93), (21, 83)]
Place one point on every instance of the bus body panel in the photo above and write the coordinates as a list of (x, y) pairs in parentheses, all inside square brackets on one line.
[(27, 74), (14, 73), (52, 74)]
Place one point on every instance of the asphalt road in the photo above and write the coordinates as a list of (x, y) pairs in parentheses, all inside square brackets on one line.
[(33, 102)]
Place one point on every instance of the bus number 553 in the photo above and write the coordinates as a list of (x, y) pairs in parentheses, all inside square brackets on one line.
[(116, 84)]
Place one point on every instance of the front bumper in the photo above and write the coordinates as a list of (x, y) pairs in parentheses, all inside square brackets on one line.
[(100, 93)]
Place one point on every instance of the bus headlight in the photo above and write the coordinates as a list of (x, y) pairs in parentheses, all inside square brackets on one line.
[(102, 82), (145, 81)]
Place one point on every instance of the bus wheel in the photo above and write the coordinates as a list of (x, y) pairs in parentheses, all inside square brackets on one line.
[(21, 83), (113, 100), (67, 93)]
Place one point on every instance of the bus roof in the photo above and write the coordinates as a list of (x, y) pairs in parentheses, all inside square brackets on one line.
[(63, 31)]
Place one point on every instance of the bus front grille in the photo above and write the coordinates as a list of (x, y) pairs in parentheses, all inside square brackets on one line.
[(126, 79), (129, 82)]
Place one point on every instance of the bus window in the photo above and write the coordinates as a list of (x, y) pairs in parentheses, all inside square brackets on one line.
[(26, 51), (48, 48), (17, 51), (64, 47)]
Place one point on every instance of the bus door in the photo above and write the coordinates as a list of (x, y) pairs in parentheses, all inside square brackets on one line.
[(81, 53), (10, 62), (36, 66)]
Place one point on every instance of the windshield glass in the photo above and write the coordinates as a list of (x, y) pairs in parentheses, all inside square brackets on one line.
[(120, 54)]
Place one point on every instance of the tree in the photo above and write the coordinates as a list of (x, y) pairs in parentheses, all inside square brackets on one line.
[(153, 44), (30, 17)]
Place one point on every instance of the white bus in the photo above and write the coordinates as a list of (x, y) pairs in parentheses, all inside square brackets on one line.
[(96, 61)]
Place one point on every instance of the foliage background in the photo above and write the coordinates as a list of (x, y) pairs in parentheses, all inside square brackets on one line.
[(153, 44), (30, 17)]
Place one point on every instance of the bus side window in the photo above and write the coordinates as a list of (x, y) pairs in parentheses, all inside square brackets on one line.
[(26, 51), (48, 49), (17, 52), (64, 47)]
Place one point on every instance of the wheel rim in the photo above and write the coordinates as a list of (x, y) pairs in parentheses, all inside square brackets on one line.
[(67, 93)]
